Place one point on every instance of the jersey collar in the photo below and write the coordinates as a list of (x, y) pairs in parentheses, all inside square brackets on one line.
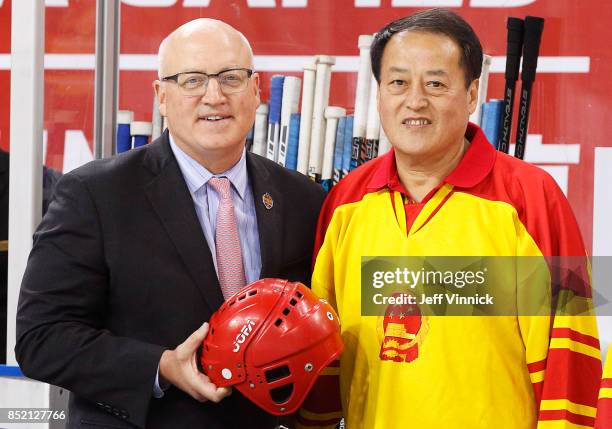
[(475, 165)]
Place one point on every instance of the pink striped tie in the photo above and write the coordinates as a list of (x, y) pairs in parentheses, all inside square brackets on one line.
[(229, 255)]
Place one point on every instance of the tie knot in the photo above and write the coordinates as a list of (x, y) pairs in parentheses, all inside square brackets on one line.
[(222, 185)]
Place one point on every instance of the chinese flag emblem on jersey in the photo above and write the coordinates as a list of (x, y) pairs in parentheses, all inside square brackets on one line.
[(404, 330)]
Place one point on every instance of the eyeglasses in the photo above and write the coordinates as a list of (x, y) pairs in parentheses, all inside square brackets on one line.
[(195, 83)]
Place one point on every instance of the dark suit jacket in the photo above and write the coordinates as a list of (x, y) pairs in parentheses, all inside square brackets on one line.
[(120, 271)]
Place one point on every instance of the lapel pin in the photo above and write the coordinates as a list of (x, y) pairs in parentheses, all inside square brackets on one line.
[(267, 200)]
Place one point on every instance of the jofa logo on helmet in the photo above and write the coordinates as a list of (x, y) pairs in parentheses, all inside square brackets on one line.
[(243, 334)]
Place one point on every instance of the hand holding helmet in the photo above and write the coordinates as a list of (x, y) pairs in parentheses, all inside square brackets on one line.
[(179, 368)]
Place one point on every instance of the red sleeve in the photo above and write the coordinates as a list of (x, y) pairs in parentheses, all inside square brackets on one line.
[(604, 404), (566, 391)]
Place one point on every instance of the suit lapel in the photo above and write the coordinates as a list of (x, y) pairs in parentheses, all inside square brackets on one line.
[(173, 204), (269, 220)]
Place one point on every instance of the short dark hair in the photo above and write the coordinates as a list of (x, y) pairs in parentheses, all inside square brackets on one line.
[(440, 21)]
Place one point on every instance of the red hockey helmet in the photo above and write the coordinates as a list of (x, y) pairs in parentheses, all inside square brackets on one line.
[(270, 341)]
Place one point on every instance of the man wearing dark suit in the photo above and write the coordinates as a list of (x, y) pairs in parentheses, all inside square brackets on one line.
[(126, 265)]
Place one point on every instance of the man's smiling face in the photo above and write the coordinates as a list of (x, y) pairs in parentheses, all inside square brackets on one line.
[(423, 101)]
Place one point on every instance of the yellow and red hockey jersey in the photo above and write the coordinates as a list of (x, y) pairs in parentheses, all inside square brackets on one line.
[(418, 371), (604, 405)]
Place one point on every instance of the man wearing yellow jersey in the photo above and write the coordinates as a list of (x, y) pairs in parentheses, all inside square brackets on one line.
[(443, 190)]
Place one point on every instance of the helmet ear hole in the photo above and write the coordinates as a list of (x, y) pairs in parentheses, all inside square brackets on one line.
[(281, 394), (277, 373), (199, 359)]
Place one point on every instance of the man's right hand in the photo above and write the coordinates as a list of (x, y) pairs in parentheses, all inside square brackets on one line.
[(179, 368)]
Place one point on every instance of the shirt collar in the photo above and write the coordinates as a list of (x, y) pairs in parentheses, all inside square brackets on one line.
[(475, 165), (196, 175)]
